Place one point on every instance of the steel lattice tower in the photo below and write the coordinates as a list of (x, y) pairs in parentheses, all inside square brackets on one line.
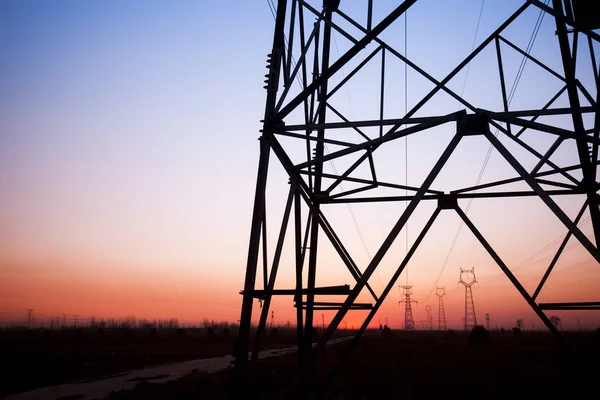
[(440, 293), (409, 322), (429, 318), (470, 318), (302, 116)]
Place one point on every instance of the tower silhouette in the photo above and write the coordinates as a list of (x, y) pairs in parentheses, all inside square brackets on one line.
[(29, 311), (409, 323), (470, 320), (440, 293), (429, 319), (487, 321), (302, 116)]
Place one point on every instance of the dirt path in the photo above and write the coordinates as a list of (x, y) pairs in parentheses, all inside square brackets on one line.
[(100, 388)]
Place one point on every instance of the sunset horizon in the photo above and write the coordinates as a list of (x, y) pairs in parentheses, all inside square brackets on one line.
[(299, 199), (129, 157)]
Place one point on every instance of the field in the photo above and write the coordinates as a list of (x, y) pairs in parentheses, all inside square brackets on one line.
[(415, 365), (386, 364), (39, 358)]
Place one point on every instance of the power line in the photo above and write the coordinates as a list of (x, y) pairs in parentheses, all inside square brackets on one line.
[(529, 260), (558, 270), (272, 7), (512, 92), (479, 178), (490, 148), (406, 137), (574, 266), (349, 208), (472, 47)]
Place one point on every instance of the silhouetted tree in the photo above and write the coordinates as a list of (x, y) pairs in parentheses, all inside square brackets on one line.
[(556, 321), (479, 337), (210, 333), (517, 334), (450, 335)]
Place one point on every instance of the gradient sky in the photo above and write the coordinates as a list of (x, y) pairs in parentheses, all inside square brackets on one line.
[(128, 155)]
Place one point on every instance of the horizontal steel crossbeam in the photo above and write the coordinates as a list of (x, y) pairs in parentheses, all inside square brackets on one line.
[(326, 290), (590, 305)]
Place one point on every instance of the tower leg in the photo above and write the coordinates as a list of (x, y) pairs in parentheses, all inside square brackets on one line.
[(242, 347), (319, 152)]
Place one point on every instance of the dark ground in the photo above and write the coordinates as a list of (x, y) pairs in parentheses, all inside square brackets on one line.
[(417, 365), (31, 359), (40, 358)]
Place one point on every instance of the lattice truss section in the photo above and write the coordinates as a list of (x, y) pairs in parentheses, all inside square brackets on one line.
[(329, 149)]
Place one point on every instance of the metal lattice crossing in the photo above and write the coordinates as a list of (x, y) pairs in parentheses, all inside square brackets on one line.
[(302, 121)]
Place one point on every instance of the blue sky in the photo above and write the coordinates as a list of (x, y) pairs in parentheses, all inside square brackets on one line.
[(128, 136)]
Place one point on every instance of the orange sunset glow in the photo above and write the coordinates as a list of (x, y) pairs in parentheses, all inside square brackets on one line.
[(129, 157)]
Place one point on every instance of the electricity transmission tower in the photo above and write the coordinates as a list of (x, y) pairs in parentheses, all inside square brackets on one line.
[(487, 321), (29, 312), (440, 293), (409, 322), (470, 319), (307, 131), (429, 318)]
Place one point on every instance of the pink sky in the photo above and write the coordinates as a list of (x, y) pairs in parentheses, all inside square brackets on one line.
[(128, 155)]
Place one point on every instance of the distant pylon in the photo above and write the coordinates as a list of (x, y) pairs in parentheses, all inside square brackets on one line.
[(470, 319), (272, 319), (487, 321), (409, 323), (429, 319), (30, 310), (441, 292)]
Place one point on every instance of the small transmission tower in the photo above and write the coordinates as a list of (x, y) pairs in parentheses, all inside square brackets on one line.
[(440, 293), (409, 323), (29, 311), (487, 321), (470, 319), (429, 319)]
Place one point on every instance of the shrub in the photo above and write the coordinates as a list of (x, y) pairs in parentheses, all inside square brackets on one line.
[(517, 334), (479, 337), (225, 333)]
